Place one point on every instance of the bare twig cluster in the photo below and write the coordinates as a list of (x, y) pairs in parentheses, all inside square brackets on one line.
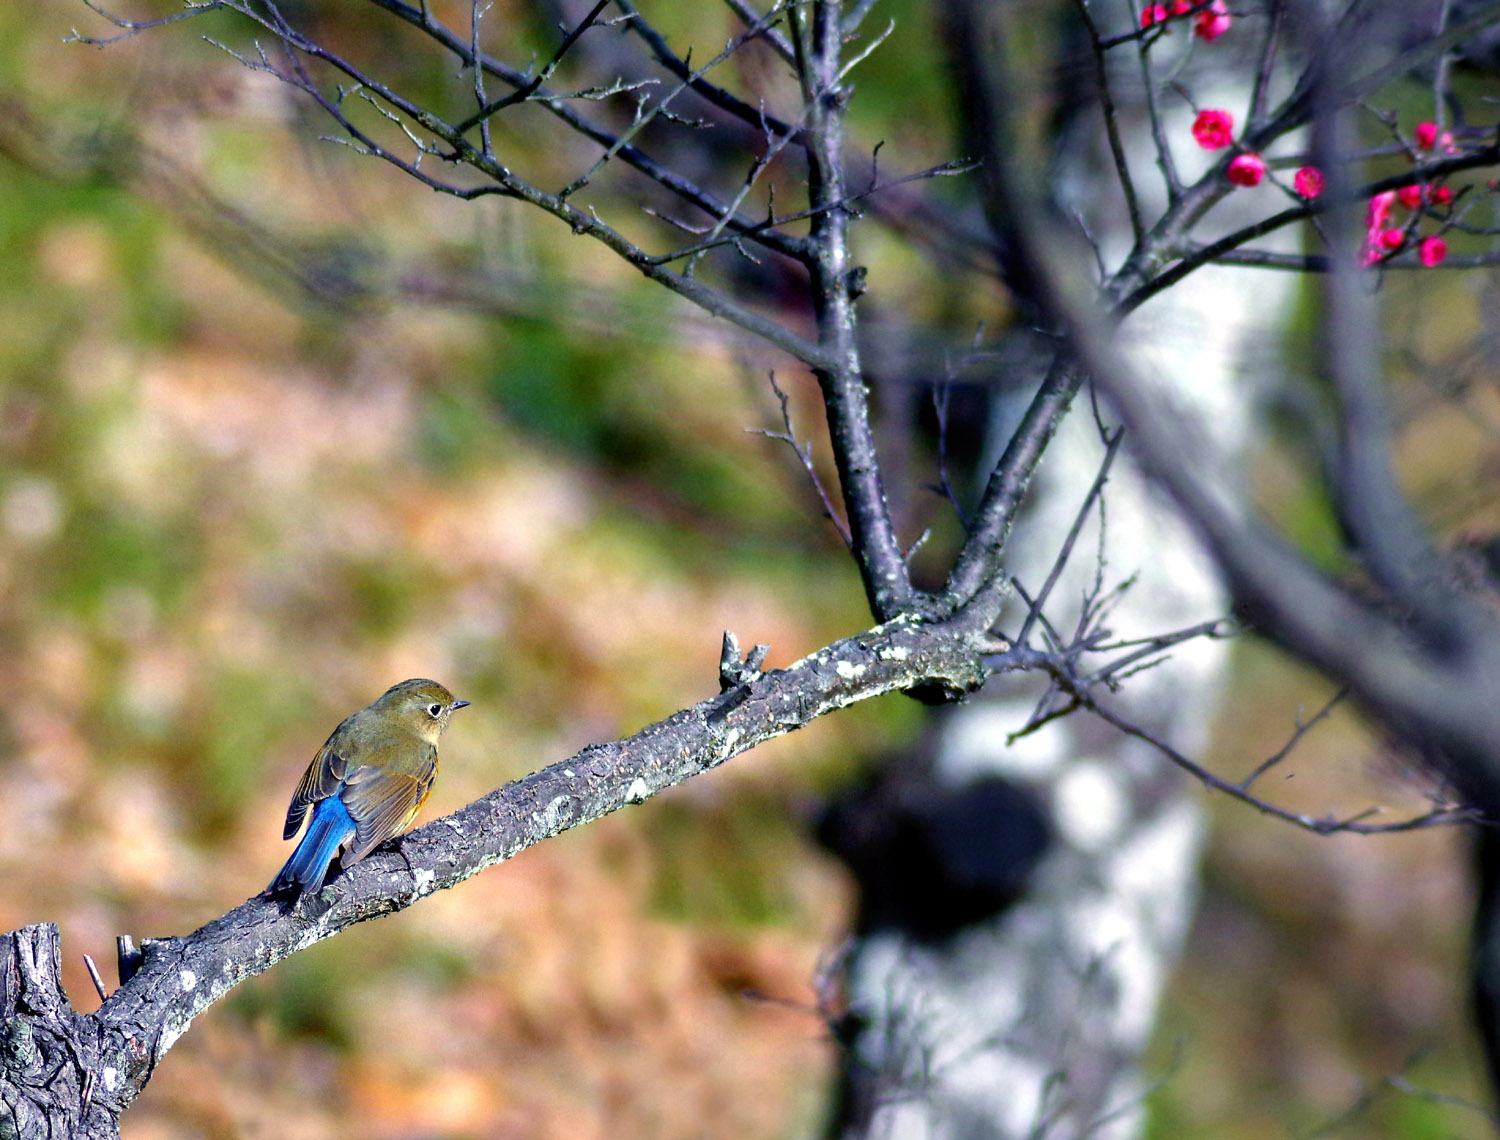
[(1421, 653)]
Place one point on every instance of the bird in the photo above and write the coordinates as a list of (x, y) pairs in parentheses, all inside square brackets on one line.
[(367, 782)]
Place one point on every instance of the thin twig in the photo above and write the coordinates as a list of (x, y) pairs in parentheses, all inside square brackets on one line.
[(95, 978), (504, 181), (787, 244), (692, 78), (475, 14), (1302, 728), (1441, 814), (772, 34), (717, 239), (803, 451), (527, 90), (1164, 160), (1320, 263), (136, 27), (775, 143), (941, 394), (1111, 122), (1267, 67), (1066, 550), (1113, 672)]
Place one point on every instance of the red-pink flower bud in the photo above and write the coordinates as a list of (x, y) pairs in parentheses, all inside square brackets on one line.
[(1392, 238), (1153, 14), (1211, 22), (1213, 129), (1246, 170), (1308, 181), (1442, 195), (1427, 136), (1409, 196), (1432, 250)]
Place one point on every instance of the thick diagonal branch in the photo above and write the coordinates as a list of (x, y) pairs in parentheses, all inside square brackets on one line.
[(100, 1062)]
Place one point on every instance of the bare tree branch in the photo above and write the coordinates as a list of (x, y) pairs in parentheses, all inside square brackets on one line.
[(1303, 727), (670, 179), (803, 452), (1441, 813), (71, 1075), (1111, 122), (504, 181), (979, 559), (1438, 696), (1194, 257), (1065, 551), (836, 285), (755, 117), (772, 36), (488, 110)]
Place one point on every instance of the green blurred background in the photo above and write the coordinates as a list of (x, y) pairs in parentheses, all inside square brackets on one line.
[(279, 427)]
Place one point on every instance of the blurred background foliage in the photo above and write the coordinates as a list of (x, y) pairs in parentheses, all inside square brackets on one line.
[(279, 427)]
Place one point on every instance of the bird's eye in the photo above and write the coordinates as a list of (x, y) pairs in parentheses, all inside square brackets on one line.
[(434, 710)]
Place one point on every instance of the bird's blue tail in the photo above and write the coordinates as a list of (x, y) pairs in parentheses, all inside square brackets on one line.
[(330, 826)]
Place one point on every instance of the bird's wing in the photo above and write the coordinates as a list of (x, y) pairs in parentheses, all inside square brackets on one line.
[(382, 802), (321, 780)]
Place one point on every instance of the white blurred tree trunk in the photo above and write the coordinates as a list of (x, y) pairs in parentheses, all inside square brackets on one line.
[(1033, 1022)]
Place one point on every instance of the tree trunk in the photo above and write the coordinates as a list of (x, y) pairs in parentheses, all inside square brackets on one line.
[(59, 1076)]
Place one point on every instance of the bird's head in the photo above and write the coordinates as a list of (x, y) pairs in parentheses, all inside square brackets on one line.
[(423, 706)]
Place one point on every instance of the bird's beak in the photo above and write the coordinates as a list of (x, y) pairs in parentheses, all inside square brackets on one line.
[(458, 705)]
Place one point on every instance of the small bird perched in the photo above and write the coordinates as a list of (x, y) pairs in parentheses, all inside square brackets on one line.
[(367, 783)]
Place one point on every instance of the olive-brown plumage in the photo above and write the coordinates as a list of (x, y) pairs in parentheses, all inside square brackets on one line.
[(367, 783)]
